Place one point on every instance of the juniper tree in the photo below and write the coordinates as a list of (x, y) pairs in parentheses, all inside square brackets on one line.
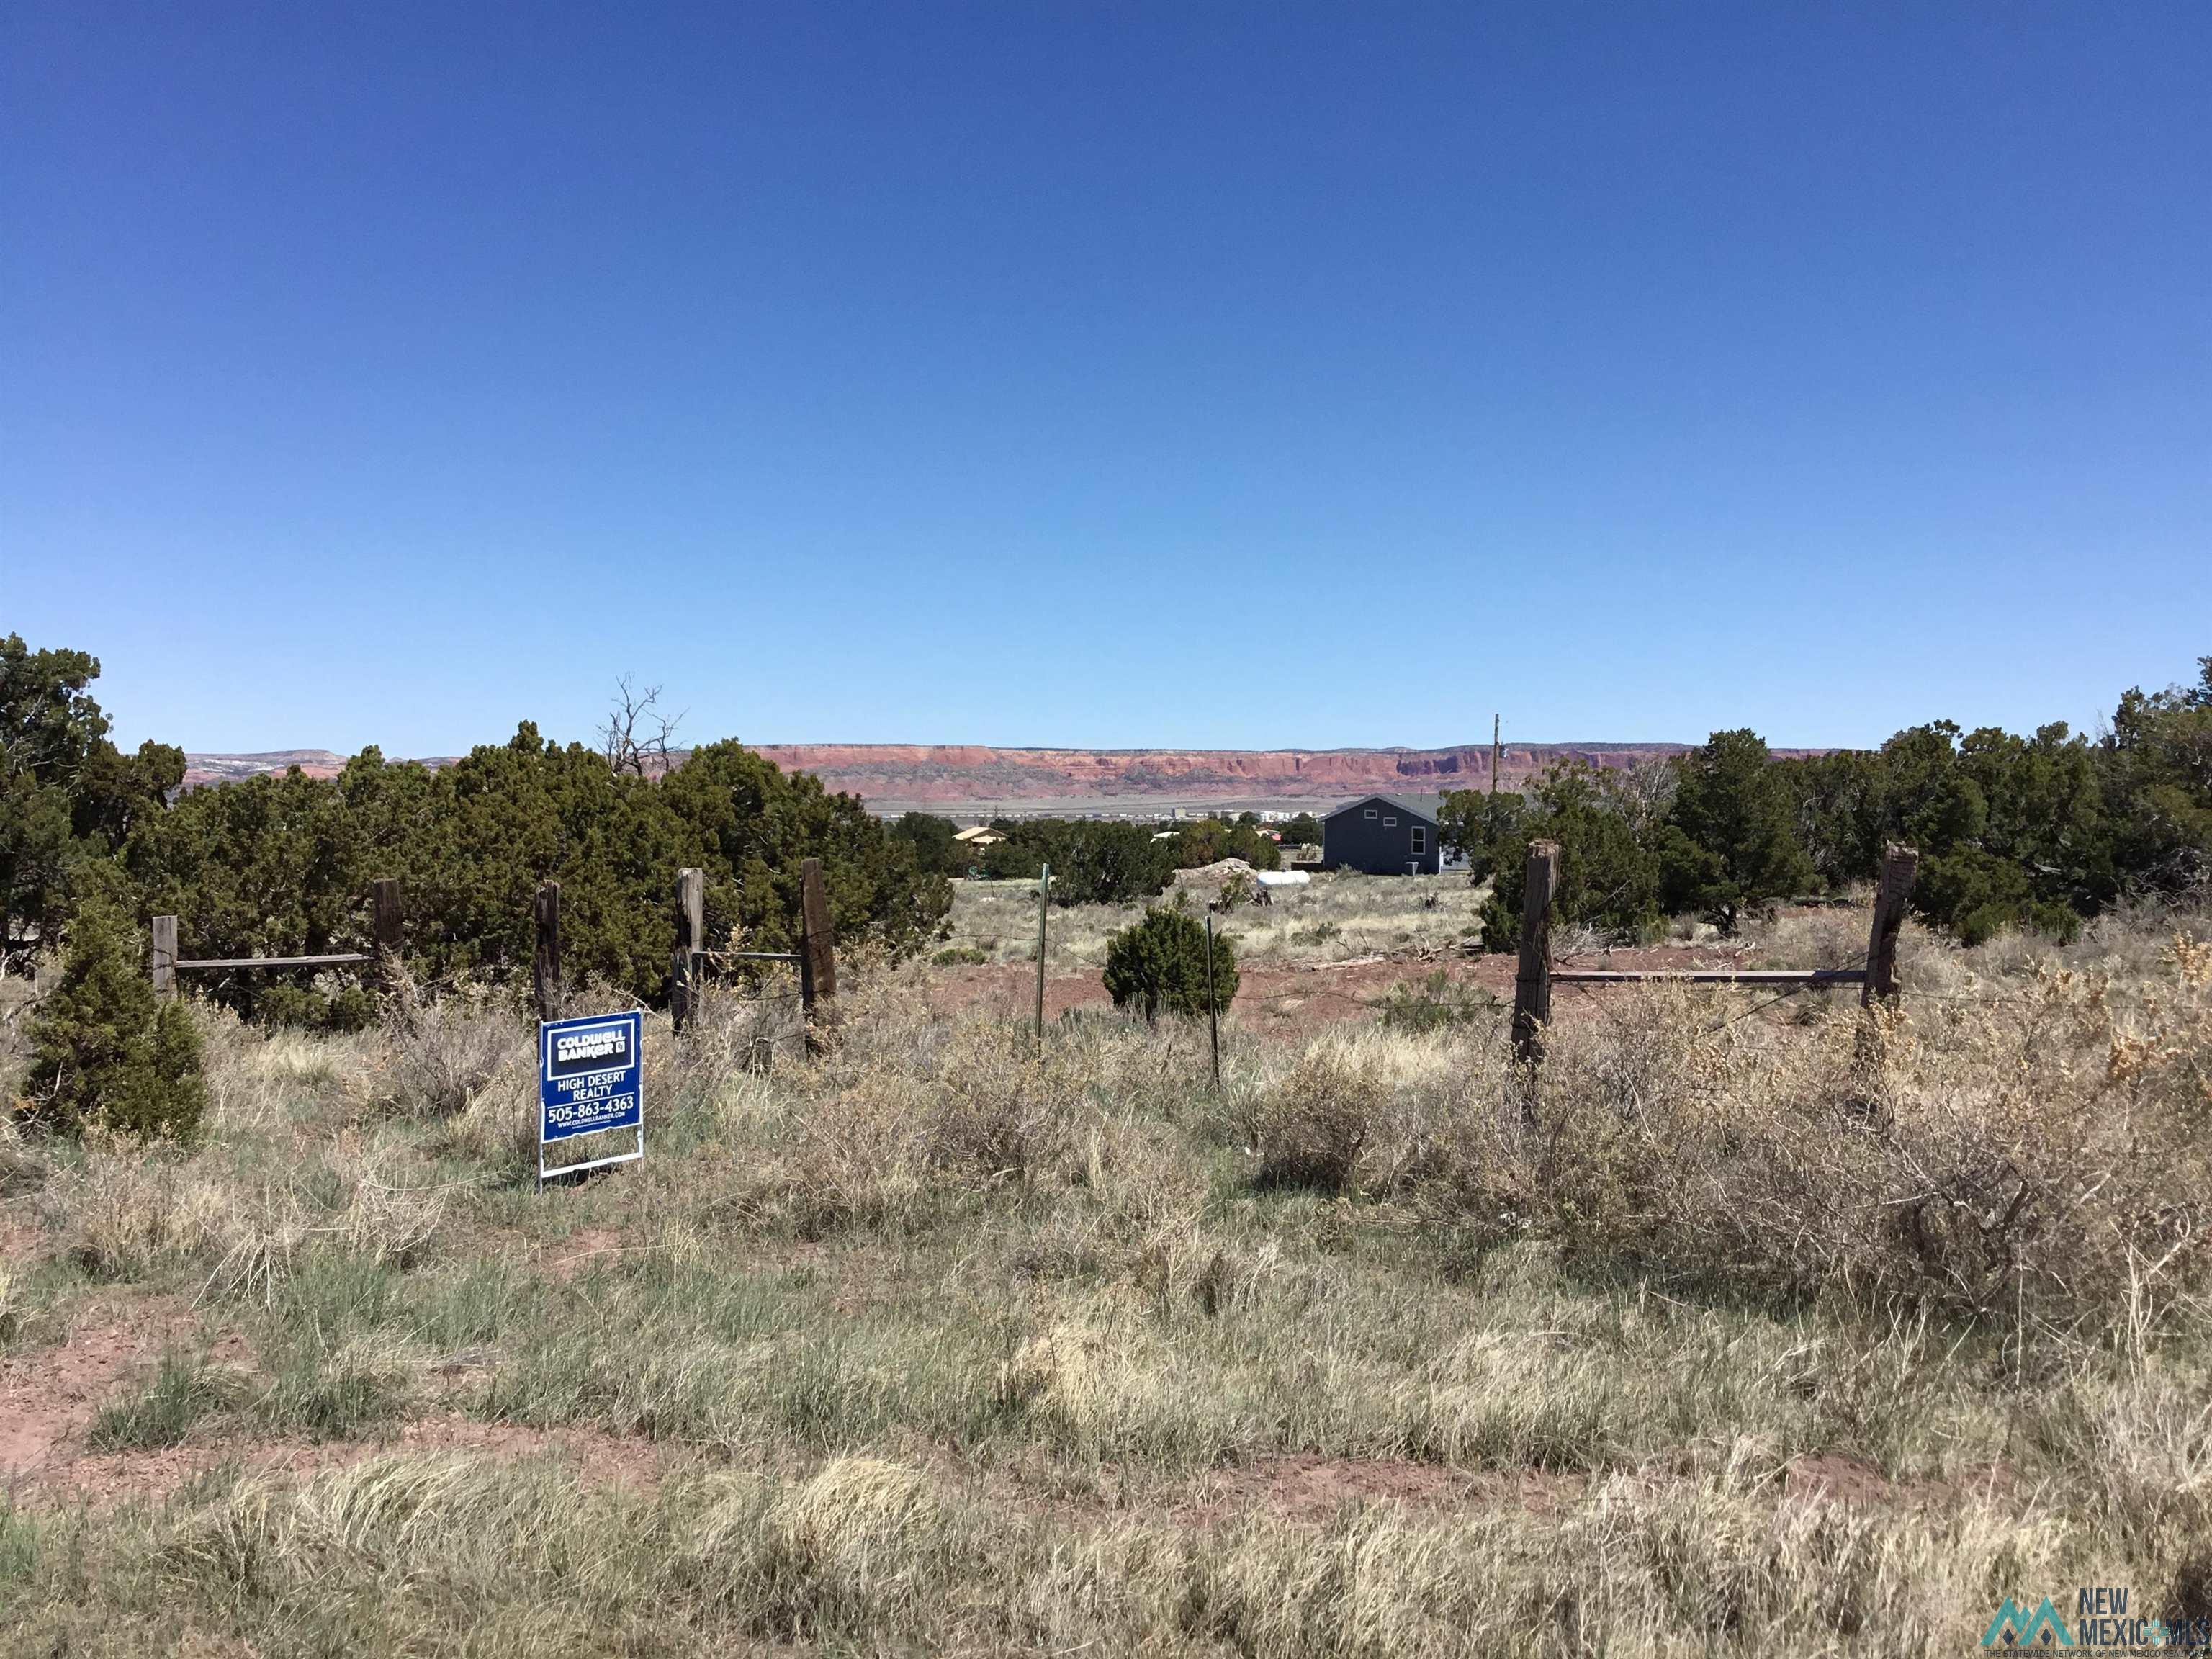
[(1158, 963), (104, 1049)]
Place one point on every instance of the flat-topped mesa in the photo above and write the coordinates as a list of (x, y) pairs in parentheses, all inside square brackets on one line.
[(923, 773)]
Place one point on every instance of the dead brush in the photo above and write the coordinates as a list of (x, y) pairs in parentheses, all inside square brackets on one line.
[(20, 1169), (1311, 1130), (2037, 1159), (851, 1157), (863, 1535), (440, 1053), (1354, 1112), (125, 1210), (733, 1028), (1001, 1111)]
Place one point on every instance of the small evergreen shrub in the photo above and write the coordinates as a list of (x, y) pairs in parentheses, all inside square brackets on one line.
[(104, 1049), (1158, 963), (1439, 1003)]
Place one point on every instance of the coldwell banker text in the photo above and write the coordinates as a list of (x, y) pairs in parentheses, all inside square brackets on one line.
[(575, 1048)]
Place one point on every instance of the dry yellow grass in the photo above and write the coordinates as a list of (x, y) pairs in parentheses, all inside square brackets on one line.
[(1336, 917), (1775, 1334)]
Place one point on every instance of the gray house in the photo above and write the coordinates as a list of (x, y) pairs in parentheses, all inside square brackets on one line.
[(1384, 835)]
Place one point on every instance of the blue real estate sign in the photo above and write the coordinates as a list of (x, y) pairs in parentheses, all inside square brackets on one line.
[(590, 1076)]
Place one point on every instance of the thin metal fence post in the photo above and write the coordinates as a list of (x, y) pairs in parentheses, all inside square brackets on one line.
[(1044, 902)]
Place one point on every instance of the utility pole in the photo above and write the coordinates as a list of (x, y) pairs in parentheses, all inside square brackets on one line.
[(1044, 901), (1493, 754)]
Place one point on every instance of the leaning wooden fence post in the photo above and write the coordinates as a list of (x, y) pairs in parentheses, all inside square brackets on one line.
[(546, 964), (690, 941), (1891, 898), (817, 958), (1532, 984), (164, 955), (384, 903)]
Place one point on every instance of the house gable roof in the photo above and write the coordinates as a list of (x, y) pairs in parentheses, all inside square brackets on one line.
[(1425, 807)]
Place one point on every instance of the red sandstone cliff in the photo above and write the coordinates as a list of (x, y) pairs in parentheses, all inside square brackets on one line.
[(954, 773), (948, 773)]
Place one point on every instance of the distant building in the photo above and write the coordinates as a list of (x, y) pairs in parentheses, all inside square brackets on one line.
[(980, 836), (1383, 836)]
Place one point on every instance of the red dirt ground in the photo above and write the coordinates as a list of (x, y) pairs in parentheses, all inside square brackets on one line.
[(49, 1398), (1307, 1486)]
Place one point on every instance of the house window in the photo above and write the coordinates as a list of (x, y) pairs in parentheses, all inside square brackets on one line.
[(1390, 823), (1369, 813), (1421, 838)]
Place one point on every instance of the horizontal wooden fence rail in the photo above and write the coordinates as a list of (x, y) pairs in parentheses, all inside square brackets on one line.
[(1535, 976), (1710, 975), (166, 965), (336, 959), (816, 958)]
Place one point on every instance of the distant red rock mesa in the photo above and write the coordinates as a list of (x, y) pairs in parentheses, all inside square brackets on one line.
[(945, 774), (955, 774)]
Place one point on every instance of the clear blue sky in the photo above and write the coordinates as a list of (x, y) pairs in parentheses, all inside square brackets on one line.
[(1178, 374)]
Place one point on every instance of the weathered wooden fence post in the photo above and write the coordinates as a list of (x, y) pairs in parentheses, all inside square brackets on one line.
[(1212, 1007), (545, 965), (1531, 983), (384, 902), (817, 957), (1891, 898), (164, 956), (690, 941)]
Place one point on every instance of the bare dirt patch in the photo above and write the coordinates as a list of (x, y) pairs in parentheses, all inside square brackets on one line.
[(49, 1396), (582, 1250), (1837, 1477), (82, 1477), (23, 1243)]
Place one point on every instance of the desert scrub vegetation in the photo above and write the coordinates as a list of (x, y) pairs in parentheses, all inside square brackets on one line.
[(1336, 917), (1776, 1331)]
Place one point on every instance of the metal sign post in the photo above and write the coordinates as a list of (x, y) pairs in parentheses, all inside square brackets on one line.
[(591, 1079)]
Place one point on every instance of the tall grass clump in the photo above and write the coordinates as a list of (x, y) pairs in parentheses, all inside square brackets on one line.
[(2037, 1155), (440, 1053)]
